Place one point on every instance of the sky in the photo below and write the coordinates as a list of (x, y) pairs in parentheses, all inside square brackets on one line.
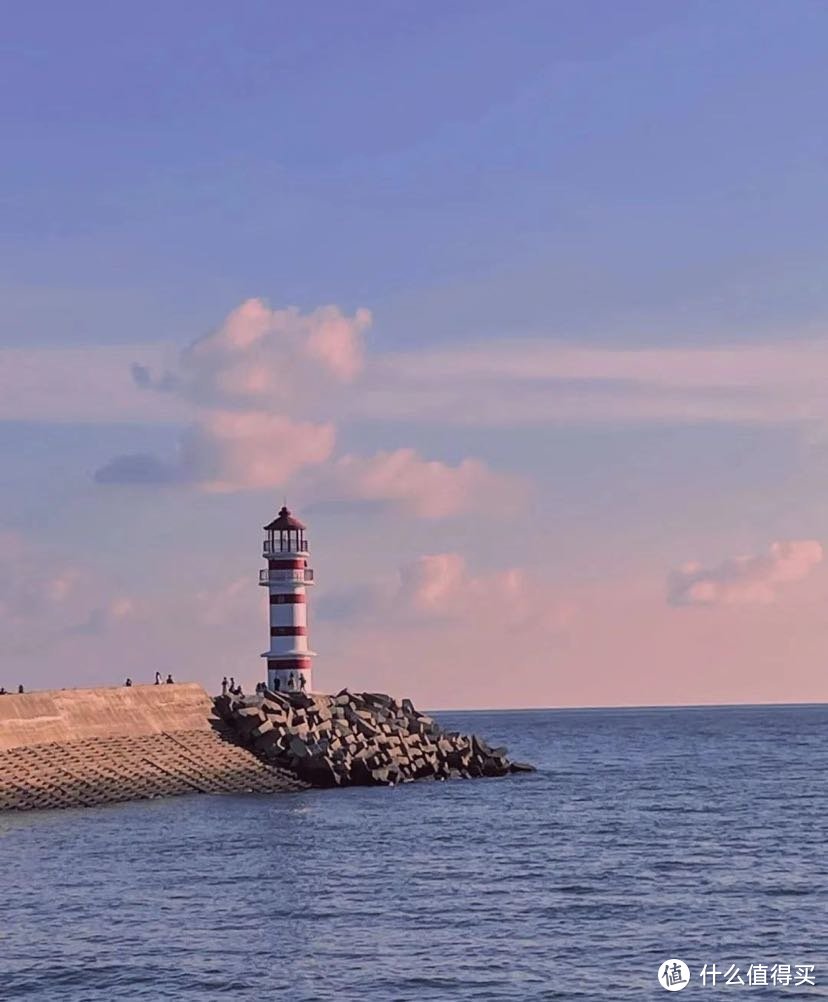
[(522, 307)]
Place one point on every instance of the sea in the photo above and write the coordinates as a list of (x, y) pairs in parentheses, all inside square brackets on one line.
[(646, 835)]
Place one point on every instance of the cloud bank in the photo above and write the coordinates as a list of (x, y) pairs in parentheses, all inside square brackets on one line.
[(265, 359), (254, 385), (537, 380)]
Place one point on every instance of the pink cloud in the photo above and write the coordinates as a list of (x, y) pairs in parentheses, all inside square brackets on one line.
[(44, 598), (440, 589), (336, 341), (440, 586), (30, 588), (248, 450), (230, 451), (249, 383), (747, 580), (427, 488), (265, 359), (447, 634)]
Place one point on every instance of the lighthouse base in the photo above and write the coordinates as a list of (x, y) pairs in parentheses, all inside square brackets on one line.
[(290, 676)]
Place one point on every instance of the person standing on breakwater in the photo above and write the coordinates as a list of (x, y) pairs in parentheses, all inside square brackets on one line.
[(20, 689), (3, 691), (224, 686), (128, 683), (158, 678), (170, 680)]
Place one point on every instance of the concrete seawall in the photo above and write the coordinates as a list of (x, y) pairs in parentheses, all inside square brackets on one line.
[(36, 718), (80, 747)]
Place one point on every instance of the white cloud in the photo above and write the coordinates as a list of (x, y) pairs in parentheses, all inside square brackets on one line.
[(439, 588), (43, 597), (424, 487), (267, 359), (243, 379), (262, 365), (230, 451), (746, 580), (250, 450)]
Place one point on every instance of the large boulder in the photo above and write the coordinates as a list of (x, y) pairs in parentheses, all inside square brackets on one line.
[(521, 767)]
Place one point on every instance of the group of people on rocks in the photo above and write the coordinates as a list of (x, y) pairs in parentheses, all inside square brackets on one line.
[(290, 683), (231, 689)]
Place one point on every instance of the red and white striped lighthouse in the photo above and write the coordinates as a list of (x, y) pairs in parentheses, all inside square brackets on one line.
[(287, 573)]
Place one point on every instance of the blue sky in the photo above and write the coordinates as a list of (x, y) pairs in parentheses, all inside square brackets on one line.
[(484, 179), (594, 165)]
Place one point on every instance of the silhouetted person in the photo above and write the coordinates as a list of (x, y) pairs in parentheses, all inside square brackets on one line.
[(170, 680), (20, 688), (158, 678), (3, 691), (276, 684), (232, 686), (291, 681), (302, 682), (128, 683), (224, 686)]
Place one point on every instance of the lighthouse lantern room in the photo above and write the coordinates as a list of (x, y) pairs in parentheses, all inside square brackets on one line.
[(286, 576)]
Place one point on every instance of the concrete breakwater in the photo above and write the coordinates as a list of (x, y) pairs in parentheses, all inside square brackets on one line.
[(84, 747), (357, 739), (54, 716)]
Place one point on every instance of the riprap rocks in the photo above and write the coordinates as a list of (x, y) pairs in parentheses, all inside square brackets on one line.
[(357, 739)]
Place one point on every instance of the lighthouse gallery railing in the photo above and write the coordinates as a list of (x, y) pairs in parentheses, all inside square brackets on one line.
[(304, 576)]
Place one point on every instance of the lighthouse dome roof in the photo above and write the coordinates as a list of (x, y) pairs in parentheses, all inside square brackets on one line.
[(285, 520)]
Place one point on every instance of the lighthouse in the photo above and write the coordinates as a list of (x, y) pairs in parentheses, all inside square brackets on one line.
[(285, 577)]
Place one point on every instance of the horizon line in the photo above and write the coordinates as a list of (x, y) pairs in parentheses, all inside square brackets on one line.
[(629, 706)]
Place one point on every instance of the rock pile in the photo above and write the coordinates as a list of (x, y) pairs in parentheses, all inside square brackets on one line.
[(357, 739)]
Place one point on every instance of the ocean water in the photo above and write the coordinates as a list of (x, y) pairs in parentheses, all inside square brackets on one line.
[(697, 834)]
